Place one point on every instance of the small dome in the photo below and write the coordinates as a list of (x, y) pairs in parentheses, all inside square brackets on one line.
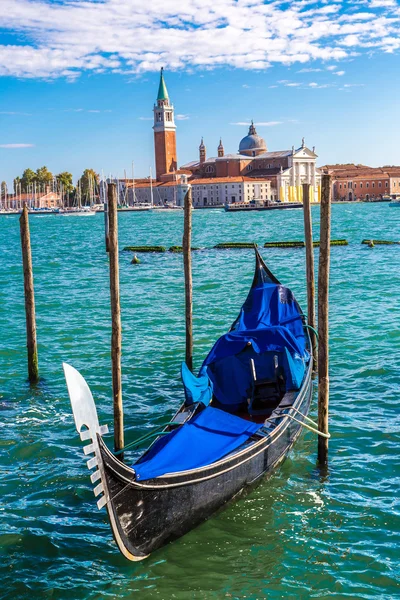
[(252, 141)]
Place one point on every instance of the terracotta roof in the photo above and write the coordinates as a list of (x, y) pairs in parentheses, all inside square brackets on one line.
[(146, 184)]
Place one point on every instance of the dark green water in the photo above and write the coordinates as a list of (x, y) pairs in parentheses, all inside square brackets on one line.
[(299, 535)]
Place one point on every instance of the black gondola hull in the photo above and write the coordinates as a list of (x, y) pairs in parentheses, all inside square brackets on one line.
[(145, 516)]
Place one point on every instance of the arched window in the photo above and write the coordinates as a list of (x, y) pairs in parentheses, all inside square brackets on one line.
[(209, 169)]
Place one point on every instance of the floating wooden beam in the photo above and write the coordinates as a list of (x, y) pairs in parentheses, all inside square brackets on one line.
[(300, 244), (178, 249), (31, 341), (145, 249), (187, 265), (228, 245), (310, 271), (380, 242), (323, 317), (116, 335)]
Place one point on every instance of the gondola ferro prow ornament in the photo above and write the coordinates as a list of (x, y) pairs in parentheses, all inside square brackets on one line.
[(85, 416), (88, 427)]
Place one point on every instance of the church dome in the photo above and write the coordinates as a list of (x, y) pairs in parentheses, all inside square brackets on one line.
[(253, 143)]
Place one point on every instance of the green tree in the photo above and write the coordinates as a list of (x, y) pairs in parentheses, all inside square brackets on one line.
[(17, 182), (27, 179), (4, 188), (88, 184), (65, 186), (44, 176), (65, 179)]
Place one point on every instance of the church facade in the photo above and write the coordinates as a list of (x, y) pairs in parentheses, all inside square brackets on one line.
[(253, 173), (286, 170)]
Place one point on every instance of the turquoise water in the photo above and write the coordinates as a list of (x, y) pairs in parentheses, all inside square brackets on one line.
[(302, 534)]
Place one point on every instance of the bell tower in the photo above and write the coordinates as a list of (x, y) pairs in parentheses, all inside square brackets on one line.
[(164, 132), (202, 152)]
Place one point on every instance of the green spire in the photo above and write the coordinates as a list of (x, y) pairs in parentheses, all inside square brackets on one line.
[(162, 90)]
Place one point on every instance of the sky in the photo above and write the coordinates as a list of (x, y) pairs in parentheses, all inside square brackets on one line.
[(78, 80)]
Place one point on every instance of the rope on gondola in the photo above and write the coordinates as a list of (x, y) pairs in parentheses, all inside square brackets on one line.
[(313, 429), (313, 330), (146, 436)]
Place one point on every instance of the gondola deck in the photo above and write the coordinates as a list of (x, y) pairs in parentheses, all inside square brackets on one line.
[(148, 511)]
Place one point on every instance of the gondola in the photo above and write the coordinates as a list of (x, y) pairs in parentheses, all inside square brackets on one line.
[(240, 417)]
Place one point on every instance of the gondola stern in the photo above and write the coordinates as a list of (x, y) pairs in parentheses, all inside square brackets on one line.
[(262, 274)]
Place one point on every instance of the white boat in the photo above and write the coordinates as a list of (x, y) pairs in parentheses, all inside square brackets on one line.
[(394, 203), (78, 212)]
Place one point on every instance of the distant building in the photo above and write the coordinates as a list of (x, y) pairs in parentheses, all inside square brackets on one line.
[(229, 190), (253, 173), (32, 200), (360, 182)]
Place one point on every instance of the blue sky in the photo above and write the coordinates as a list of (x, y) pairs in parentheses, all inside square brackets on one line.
[(78, 79)]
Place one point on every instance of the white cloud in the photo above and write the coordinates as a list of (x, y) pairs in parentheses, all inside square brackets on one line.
[(245, 86), (145, 118), (309, 71), (182, 117), (14, 146), (68, 37), (13, 113), (339, 73), (332, 68)]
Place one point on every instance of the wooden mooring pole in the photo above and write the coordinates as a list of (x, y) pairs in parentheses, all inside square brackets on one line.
[(323, 318), (106, 222), (116, 336), (310, 270), (187, 266), (31, 342)]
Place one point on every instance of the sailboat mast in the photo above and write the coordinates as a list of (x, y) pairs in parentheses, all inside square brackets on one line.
[(133, 186)]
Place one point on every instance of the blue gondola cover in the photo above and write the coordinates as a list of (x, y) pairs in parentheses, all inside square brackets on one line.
[(197, 389), (269, 324), (209, 436)]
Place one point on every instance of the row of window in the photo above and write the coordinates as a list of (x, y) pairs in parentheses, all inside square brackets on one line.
[(350, 185), (204, 187)]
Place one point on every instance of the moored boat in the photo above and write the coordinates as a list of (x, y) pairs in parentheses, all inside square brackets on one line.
[(84, 211), (240, 417), (260, 205), (394, 203)]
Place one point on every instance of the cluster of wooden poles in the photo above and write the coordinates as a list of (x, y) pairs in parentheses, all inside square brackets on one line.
[(320, 352)]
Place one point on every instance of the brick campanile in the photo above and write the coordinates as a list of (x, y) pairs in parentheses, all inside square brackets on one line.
[(164, 132)]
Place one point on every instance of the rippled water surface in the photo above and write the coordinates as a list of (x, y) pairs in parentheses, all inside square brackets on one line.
[(302, 534)]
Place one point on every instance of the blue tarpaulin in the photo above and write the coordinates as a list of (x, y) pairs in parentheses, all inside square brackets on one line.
[(197, 389), (269, 324), (211, 435)]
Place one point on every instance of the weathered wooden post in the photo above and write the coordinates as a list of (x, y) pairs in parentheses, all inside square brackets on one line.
[(106, 221), (31, 342), (187, 266), (323, 318), (116, 336), (310, 269)]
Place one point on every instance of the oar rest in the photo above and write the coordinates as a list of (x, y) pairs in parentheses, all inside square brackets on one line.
[(187, 413), (266, 394)]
